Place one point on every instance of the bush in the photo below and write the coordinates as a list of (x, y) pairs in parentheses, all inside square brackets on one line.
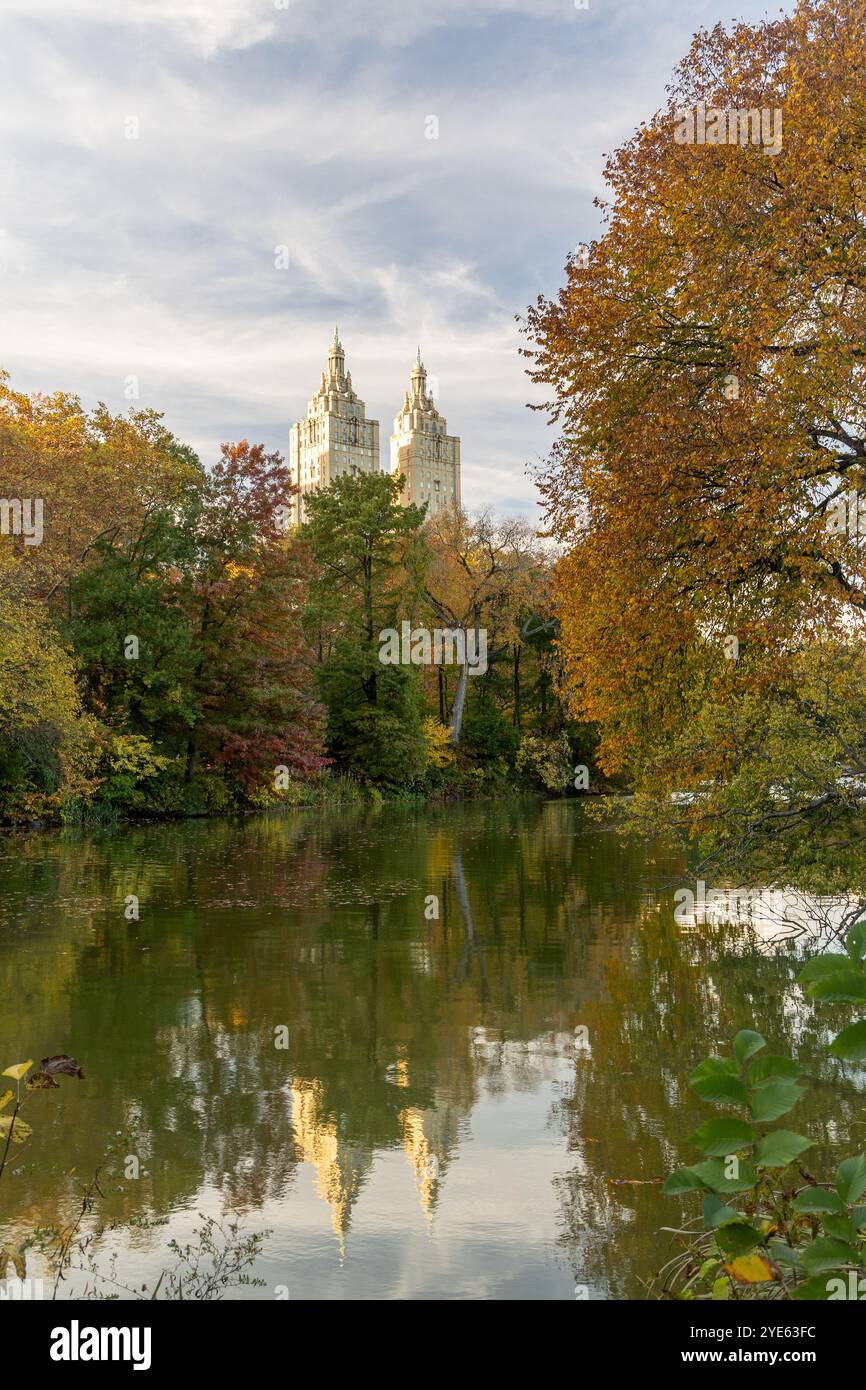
[(546, 762), (438, 750)]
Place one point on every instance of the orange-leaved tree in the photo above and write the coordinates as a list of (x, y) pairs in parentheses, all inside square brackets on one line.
[(705, 361)]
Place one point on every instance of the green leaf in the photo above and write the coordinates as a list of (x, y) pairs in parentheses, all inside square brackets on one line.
[(746, 1044), (818, 1199), (855, 941), (770, 1068), (723, 1136), (850, 1045), (851, 1178), (737, 1238), (779, 1148), (718, 1213), (683, 1180), (785, 1254), (718, 1079), (774, 1099), (842, 986), (840, 1226), (812, 1289), (821, 965), (721, 1288), (712, 1175), (858, 1216), (827, 1253)]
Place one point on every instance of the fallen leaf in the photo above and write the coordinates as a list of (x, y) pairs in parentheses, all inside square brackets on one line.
[(20, 1069), (20, 1132), (633, 1182), (41, 1081), (61, 1063)]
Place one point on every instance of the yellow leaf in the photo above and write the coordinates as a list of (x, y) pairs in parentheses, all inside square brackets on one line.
[(752, 1269), (21, 1131), (5, 1099), (20, 1069), (9, 1252)]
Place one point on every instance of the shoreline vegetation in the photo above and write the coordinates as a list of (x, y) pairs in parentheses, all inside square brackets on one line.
[(171, 647), (319, 795)]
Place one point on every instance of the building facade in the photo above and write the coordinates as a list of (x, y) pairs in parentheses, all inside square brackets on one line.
[(423, 450), (336, 438)]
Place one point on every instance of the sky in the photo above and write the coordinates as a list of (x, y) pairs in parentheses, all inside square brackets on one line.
[(194, 192)]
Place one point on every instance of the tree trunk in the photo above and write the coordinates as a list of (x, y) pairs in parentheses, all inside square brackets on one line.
[(459, 702), (462, 686)]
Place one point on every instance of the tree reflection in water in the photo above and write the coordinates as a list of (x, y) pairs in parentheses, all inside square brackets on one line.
[(450, 1041)]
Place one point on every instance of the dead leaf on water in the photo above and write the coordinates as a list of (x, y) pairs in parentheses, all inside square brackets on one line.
[(633, 1182), (20, 1132), (41, 1081), (67, 1066)]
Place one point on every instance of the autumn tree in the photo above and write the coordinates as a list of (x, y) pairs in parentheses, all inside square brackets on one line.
[(188, 632), (482, 574), (244, 596), (705, 363), (98, 476)]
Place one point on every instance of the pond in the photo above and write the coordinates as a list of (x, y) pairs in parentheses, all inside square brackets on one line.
[(362, 1032)]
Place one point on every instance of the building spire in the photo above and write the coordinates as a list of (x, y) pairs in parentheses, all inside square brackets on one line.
[(336, 357)]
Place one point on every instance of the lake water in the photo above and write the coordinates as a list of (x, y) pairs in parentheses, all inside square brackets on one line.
[(433, 1127)]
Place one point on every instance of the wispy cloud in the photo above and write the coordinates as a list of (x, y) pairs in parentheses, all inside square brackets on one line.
[(154, 156)]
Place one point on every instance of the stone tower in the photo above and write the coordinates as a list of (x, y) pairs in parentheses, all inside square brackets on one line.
[(335, 437), (423, 451)]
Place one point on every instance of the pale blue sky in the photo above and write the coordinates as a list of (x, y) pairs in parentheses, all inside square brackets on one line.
[(304, 126)]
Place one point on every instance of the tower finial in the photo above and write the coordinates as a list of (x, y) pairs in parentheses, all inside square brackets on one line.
[(337, 343), (418, 362)]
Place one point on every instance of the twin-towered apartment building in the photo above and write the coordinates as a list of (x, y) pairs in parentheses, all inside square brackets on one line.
[(336, 438)]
